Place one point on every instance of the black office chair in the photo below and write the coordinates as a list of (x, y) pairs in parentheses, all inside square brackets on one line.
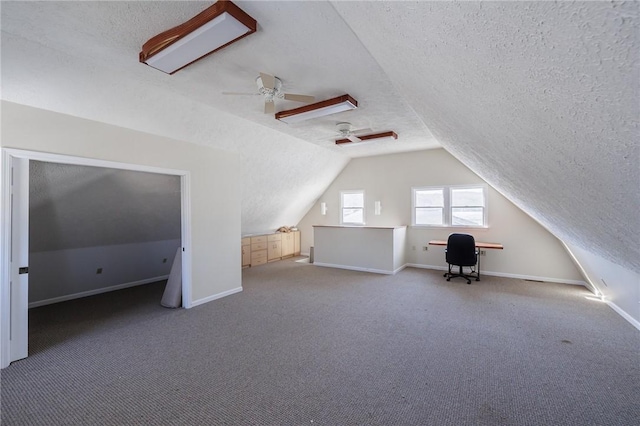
[(461, 251)]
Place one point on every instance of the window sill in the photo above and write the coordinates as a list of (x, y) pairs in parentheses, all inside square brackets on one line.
[(452, 227)]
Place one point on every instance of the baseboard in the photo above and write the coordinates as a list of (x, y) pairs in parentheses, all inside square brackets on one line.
[(305, 254), (623, 314), (399, 269), (215, 297), (507, 275), (96, 291), (357, 268), (421, 266)]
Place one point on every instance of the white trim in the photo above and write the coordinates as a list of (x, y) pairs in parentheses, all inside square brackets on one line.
[(85, 161), (447, 207), (357, 268), (215, 296), (5, 255), (413, 205), (96, 291), (623, 314), (507, 275), (591, 286), (5, 249), (400, 269), (185, 207)]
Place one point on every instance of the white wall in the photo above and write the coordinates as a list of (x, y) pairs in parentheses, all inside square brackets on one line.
[(619, 286), (530, 250), (379, 250), (215, 177), (60, 275)]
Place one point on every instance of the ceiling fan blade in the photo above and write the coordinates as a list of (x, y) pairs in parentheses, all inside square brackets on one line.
[(299, 98), (269, 108), (348, 140), (268, 81), (240, 94), (353, 138), (361, 131)]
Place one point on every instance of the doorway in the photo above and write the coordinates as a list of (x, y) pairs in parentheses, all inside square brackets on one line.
[(14, 304)]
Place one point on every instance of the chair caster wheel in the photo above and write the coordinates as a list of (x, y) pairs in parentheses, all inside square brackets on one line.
[(477, 279), (444, 275), (468, 282), (448, 279)]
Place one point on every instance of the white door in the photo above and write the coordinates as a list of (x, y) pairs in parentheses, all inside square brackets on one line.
[(19, 260)]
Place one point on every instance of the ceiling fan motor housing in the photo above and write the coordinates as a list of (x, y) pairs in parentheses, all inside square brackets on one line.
[(276, 92), (344, 128)]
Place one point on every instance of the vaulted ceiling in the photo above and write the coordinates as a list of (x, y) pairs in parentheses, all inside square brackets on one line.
[(538, 98)]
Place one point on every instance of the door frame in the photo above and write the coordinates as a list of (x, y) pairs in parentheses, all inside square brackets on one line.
[(8, 154)]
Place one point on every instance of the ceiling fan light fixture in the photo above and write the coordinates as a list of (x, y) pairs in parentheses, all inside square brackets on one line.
[(318, 109), (275, 91), (214, 28), (383, 135)]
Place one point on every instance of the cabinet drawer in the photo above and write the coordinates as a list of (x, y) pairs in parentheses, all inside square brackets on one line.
[(257, 262), (260, 254), (258, 246), (246, 241), (260, 239), (273, 237)]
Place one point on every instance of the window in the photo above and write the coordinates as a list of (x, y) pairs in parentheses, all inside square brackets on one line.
[(467, 206), (429, 206), (352, 207), (461, 206)]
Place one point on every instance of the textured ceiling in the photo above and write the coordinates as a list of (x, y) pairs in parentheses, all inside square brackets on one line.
[(538, 98), (541, 99)]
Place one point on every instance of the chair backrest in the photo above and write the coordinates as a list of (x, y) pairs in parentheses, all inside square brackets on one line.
[(461, 250)]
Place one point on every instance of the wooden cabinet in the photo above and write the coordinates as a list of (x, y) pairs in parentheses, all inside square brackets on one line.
[(296, 243), (258, 250), (287, 245), (261, 249), (246, 252), (274, 247)]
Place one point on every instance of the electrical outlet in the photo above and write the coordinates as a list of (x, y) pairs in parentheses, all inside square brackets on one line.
[(483, 252), (164, 260), (99, 271), (425, 248)]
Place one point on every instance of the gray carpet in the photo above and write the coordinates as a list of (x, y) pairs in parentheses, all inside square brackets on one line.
[(304, 345)]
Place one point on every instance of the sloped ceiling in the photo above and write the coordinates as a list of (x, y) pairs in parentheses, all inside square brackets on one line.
[(540, 99), (73, 206)]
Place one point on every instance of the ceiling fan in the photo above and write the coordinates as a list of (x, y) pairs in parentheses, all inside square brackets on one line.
[(348, 136), (361, 138), (345, 132), (271, 88)]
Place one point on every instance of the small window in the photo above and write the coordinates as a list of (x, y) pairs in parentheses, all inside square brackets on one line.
[(429, 206), (467, 206), (352, 205), (460, 206)]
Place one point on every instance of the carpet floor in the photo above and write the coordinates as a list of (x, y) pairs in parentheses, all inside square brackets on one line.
[(306, 345)]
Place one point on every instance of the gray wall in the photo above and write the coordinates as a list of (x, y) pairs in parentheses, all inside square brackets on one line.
[(83, 218)]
